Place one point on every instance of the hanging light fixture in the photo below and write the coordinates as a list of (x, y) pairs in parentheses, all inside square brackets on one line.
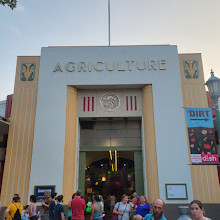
[(116, 161), (113, 167), (110, 153)]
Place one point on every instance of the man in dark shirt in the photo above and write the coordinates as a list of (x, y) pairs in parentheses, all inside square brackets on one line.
[(58, 209), (51, 206)]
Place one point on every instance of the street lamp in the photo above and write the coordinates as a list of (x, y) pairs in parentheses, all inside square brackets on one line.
[(213, 85)]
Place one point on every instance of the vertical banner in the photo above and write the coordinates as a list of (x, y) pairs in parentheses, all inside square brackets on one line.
[(201, 136)]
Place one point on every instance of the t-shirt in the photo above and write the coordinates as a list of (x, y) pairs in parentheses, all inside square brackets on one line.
[(12, 209), (151, 217), (51, 209), (112, 200), (88, 209), (69, 213), (78, 206), (143, 210), (125, 208), (58, 209)]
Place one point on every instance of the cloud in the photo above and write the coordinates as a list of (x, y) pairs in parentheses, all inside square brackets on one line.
[(19, 8)]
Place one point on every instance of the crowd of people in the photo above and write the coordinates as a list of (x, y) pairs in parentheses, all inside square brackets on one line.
[(136, 208)]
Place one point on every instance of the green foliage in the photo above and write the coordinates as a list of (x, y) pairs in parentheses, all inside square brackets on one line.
[(11, 3)]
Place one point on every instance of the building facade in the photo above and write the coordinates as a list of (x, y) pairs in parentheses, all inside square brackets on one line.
[(123, 106)]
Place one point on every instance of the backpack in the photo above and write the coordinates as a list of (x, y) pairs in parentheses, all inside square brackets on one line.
[(17, 215)]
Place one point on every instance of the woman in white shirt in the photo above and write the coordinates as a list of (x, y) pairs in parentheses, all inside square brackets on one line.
[(123, 209)]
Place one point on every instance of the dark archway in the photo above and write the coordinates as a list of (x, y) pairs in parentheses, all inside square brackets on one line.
[(104, 178)]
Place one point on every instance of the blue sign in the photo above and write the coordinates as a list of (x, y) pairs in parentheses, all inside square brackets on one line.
[(199, 117), (40, 190), (201, 136)]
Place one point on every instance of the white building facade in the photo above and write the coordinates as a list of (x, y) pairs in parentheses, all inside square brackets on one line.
[(129, 85)]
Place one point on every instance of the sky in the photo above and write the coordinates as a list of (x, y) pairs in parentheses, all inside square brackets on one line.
[(192, 25)]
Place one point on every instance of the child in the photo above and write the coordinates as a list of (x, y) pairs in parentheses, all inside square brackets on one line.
[(137, 217), (25, 213)]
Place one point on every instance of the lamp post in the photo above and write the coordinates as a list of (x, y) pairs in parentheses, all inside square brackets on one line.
[(213, 85)]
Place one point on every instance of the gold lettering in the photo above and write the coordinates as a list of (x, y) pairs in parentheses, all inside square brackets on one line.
[(162, 62), (107, 65), (90, 67), (58, 68), (152, 64), (139, 66), (130, 62), (120, 66), (96, 66), (81, 66), (100, 66), (70, 67)]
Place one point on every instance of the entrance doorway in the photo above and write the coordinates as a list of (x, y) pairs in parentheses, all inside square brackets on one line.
[(110, 158), (110, 173), (98, 173)]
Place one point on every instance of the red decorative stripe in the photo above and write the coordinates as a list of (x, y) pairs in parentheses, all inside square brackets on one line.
[(131, 103), (135, 101), (127, 103), (88, 103), (84, 103), (93, 104)]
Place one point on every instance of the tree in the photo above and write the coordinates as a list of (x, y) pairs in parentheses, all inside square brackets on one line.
[(11, 3)]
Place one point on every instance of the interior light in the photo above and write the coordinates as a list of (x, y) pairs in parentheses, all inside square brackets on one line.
[(116, 161), (110, 153), (113, 167)]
